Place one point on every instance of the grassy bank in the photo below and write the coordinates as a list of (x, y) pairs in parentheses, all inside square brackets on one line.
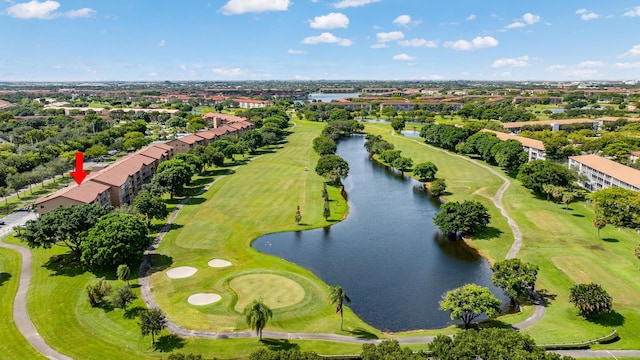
[(562, 242)]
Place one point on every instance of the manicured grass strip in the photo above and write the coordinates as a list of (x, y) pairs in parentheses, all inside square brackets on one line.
[(13, 344), (260, 198)]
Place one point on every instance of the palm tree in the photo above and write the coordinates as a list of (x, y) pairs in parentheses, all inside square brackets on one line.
[(123, 273), (152, 321), (257, 314), (338, 297), (599, 222)]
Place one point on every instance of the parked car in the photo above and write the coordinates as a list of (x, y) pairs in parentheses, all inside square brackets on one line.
[(25, 208), (2, 222)]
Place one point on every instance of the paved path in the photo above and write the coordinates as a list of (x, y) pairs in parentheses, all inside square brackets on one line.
[(20, 313)]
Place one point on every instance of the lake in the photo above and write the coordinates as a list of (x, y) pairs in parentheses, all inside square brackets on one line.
[(387, 254)]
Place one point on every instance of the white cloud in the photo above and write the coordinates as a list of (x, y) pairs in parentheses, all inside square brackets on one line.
[(521, 61), (558, 67), (302, 77), (634, 51), (35, 9), (402, 20), (530, 18), (162, 43), (633, 12), (389, 36), (403, 57), (590, 64), (582, 73), (229, 72), (418, 43), (352, 3), (515, 25), (379, 46), (526, 20), (478, 42), (152, 74), (634, 65), (330, 21), (587, 15), (328, 38), (471, 17), (236, 7), (80, 13), (296, 52)]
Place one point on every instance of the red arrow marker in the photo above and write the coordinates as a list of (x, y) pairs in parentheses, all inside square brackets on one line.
[(79, 174)]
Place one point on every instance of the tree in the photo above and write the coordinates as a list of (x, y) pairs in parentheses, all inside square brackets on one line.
[(326, 212), (457, 218), (65, 226), (194, 161), (173, 177), (253, 138), (337, 297), (515, 277), (96, 292), (298, 215), (390, 349), (599, 222), (152, 321), (152, 207), (425, 171), (590, 299), (509, 154), (290, 354), (115, 239), (620, 207), (333, 168), (402, 163), (438, 187), (123, 297), (123, 273), (324, 146), (469, 302), (398, 124), (389, 156), (567, 198), (257, 314), (389, 112), (490, 343), (535, 174)]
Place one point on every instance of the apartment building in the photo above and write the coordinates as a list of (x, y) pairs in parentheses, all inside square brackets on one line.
[(603, 173), (534, 148)]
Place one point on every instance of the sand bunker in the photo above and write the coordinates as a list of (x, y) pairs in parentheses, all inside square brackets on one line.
[(219, 263), (181, 272), (204, 299)]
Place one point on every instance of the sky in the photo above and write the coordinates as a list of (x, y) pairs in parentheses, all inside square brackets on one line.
[(158, 40)]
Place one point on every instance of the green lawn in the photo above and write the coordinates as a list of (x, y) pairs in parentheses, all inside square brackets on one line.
[(260, 198), (13, 345), (562, 242)]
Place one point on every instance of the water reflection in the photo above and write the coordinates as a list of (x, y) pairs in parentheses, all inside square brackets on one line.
[(386, 254)]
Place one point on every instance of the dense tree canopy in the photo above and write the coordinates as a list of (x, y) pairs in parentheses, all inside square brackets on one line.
[(618, 206), (425, 171), (514, 277), (487, 344), (535, 174), (333, 168), (468, 302), (173, 176), (509, 154), (65, 226), (375, 144), (324, 145), (590, 299), (390, 349), (457, 218), (115, 239), (153, 207)]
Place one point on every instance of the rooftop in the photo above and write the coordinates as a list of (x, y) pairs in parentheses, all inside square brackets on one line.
[(530, 143), (621, 172)]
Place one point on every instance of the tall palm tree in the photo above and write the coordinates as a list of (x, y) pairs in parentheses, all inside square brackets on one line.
[(338, 297), (257, 314)]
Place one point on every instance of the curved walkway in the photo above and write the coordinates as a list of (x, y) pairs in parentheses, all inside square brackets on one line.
[(539, 309), (20, 312)]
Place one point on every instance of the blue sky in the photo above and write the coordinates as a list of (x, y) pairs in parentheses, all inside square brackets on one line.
[(76, 40)]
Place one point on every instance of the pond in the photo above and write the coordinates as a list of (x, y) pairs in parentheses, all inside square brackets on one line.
[(387, 254)]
